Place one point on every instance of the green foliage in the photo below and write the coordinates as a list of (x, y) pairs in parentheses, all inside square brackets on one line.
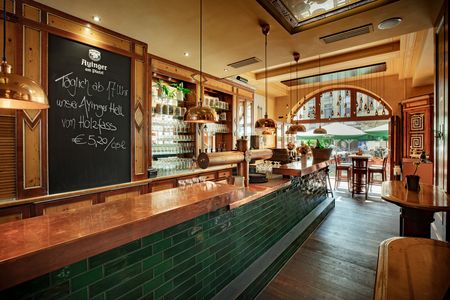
[(180, 87), (162, 86), (324, 144)]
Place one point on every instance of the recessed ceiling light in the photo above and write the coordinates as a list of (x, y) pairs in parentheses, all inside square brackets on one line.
[(186, 54), (389, 23), (225, 70), (96, 18)]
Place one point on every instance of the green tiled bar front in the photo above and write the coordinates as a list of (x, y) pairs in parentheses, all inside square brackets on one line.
[(194, 259)]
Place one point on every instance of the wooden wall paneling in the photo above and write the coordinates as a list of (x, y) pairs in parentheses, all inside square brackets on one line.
[(172, 70), (8, 154), (122, 194), (162, 185), (31, 12), (64, 205), (139, 119), (14, 213), (32, 119), (88, 32)]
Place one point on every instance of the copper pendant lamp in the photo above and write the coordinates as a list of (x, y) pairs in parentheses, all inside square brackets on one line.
[(320, 130), (265, 124), (295, 127), (200, 114), (18, 92)]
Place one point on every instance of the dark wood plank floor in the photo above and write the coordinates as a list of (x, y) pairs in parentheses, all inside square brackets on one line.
[(338, 261)]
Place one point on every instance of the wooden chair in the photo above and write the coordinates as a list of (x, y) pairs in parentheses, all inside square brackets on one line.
[(377, 169), (360, 175), (340, 168)]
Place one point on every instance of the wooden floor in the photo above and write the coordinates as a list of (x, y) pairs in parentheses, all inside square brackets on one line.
[(338, 261)]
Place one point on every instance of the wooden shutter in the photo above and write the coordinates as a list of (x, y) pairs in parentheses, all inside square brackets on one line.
[(7, 157)]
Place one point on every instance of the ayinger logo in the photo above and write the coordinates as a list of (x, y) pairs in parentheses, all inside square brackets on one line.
[(95, 55)]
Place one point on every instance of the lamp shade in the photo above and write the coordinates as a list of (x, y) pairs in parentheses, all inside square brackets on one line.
[(201, 115), (296, 128), (265, 124), (320, 130), (18, 92)]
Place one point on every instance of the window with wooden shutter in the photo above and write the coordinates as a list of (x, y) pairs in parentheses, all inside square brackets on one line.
[(7, 155)]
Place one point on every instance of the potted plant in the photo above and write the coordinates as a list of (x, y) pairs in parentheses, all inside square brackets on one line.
[(181, 90), (321, 151), (163, 89), (303, 150), (413, 181)]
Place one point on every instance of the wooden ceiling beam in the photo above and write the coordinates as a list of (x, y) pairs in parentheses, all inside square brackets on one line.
[(331, 60)]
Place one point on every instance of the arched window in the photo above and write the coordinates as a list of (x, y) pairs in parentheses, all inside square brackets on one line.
[(343, 105)]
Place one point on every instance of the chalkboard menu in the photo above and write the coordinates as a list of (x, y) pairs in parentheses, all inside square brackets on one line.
[(89, 117)]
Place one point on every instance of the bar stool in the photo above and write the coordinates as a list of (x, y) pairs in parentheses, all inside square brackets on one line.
[(359, 175), (340, 168), (377, 169)]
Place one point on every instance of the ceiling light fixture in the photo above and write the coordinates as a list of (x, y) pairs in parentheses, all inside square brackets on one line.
[(389, 23), (18, 92), (186, 54), (295, 127), (225, 70), (201, 114), (96, 19), (265, 124)]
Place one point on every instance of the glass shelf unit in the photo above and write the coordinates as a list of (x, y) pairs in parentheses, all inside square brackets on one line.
[(173, 142)]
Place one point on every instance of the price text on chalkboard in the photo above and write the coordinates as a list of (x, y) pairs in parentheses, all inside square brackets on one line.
[(89, 116)]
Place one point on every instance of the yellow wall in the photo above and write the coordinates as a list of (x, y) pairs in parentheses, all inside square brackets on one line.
[(391, 89)]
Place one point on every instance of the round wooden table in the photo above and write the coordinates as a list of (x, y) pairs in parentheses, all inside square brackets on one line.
[(412, 268), (416, 208), (358, 162)]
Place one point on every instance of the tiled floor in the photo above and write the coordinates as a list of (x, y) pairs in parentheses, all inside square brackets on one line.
[(338, 261)]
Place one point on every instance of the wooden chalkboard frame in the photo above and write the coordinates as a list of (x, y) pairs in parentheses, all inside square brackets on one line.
[(90, 113)]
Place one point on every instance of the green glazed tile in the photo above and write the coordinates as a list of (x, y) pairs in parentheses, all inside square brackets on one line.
[(124, 287), (153, 238), (27, 288), (163, 267), (114, 253), (68, 271), (78, 295), (164, 289), (180, 289), (153, 284), (162, 245), (187, 274), (174, 250), (114, 279), (178, 228), (178, 269), (55, 291), (127, 260), (132, 295), (98, 297), (152, 261), (87, 278), (189, 293)]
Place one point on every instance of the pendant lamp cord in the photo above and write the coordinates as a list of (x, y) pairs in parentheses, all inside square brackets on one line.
[(4, 31), (201, 52), (265, 71)]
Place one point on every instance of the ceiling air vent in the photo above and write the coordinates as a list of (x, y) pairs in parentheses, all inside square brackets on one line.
[(347, 34), (244, 62)]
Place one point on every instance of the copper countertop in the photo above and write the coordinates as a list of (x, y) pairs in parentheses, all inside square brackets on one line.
[(50, 242), (429, 197), (300, 169), (107, 188)]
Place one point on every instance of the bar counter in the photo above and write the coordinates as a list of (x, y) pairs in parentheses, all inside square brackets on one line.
[(201, 236)]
